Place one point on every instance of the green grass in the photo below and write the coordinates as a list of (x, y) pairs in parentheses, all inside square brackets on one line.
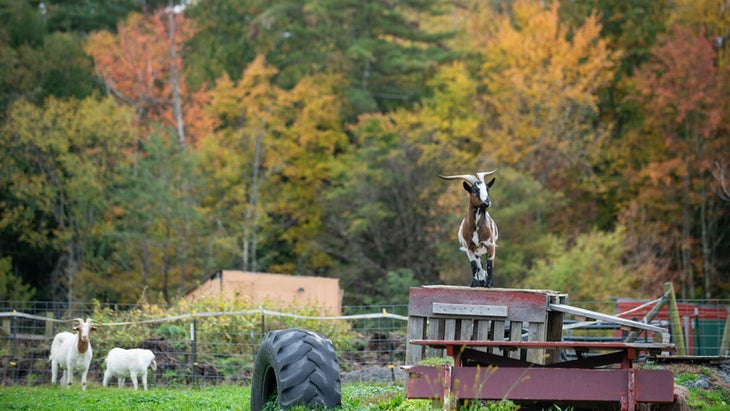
[(111, 399), (355, 397)]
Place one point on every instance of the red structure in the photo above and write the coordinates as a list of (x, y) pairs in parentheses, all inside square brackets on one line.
[(702, 325), (506, 344)]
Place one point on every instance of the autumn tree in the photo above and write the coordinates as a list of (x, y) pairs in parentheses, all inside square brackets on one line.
[(303, 162), (540, 101), (684, 94), (141, 66), (250, 113)]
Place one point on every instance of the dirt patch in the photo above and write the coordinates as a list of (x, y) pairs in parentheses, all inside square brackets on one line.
[(709, 375)]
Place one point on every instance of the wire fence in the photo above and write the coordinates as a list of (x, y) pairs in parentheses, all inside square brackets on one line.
[(217, 347), (196, 348)]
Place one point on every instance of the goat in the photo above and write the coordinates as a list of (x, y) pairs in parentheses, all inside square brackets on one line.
[(478, 232), (130, 363), (72, 352)]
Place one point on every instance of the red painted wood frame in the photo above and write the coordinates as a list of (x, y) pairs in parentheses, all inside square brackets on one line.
[(480, 375)]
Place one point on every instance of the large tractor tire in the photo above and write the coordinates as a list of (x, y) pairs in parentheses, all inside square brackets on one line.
[(298, 367)]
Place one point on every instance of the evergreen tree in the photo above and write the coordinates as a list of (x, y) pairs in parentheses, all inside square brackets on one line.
[(381, 49)]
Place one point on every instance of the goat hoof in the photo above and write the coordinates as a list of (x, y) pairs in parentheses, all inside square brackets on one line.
[(474, 283), (489, 283)]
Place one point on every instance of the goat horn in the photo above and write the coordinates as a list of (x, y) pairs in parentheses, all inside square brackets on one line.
[(483, 174), (467, 177)]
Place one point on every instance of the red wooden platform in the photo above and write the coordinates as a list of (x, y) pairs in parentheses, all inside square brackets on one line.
[(494, 365)]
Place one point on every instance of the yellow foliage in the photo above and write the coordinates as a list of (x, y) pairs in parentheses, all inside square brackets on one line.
[(542, 79)]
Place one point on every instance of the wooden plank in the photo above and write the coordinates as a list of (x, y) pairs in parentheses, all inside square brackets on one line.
[(469, 310), (498, 330), (536, 332), (523, 305), (512, 345), (467, 329), (436, 329), (449, 328), (482, 331), (515, 333), (554, 332), (416, 330), (581, 312)]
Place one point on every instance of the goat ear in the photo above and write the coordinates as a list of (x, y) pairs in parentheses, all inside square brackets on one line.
[(489, 184), (467, 187)]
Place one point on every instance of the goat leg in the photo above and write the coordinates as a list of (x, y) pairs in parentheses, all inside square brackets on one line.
[(490, 281), (475, 269)]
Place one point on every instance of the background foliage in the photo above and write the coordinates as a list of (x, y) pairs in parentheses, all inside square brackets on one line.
[(144, 148)]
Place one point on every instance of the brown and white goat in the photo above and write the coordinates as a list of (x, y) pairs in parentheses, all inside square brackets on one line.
[(477, 231), (72, 352)]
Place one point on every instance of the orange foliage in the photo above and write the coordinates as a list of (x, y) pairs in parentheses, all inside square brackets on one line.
[(135, 65)]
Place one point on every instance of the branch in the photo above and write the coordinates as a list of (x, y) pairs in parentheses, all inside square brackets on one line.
[(720, 173)]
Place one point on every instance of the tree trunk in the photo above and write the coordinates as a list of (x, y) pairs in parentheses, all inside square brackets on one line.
[(174, 77)]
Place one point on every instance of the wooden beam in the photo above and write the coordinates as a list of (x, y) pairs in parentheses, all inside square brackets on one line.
[(581, 312), (677, 334), (471, 310)]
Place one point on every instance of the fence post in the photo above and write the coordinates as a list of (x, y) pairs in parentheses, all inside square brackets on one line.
[(49, 323), (263, 324), (725, 344), (14, 360), (676, 325), (193, 347)]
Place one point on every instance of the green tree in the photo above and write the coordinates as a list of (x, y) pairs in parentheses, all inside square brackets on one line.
[(380, 49), (58, 161), (55, 67), (86, 16), (155, 247), (12, 287), (592, 269), (383, 214)]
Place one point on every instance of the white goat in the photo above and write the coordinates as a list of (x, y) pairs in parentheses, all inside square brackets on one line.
[(478, 232), (72, 352), (130, 363)]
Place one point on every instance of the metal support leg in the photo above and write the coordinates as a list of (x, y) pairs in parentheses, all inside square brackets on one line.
[(447, 387), (631, 392)]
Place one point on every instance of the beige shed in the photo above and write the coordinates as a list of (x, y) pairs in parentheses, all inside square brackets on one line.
[(286, 289)]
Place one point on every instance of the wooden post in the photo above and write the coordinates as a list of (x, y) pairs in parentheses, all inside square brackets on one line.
[(648, 317), (675, 324), (49, 324), (725, 345)]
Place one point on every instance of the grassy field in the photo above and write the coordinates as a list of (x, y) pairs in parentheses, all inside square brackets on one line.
[(355, 397)]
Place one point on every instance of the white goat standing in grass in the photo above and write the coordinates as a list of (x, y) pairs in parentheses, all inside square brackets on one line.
[(130, 363), (478, 232), (72, 352)]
